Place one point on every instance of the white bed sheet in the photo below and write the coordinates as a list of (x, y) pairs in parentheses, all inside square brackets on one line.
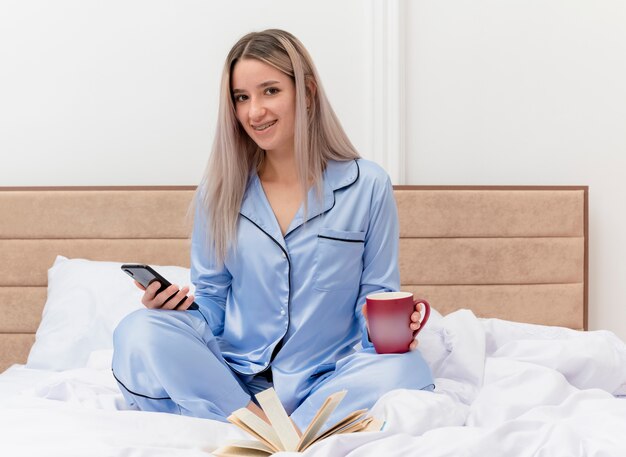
[(502, 389)]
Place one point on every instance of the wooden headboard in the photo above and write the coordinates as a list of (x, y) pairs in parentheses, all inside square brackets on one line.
[(517, 253)]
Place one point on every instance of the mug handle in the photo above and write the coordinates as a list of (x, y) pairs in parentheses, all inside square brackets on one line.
[(425, 316)]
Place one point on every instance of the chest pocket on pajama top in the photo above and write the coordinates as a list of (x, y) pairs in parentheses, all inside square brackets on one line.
[(338, 259)]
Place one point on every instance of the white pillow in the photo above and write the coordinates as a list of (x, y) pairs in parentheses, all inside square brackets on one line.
[(86, 301)]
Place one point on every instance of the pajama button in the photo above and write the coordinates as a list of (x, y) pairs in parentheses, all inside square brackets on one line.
[(284, 255), (282, 312)]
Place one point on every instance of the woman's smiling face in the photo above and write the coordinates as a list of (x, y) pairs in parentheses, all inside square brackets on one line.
[(265, 104)]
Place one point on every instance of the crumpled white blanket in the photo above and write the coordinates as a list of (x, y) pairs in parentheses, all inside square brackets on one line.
[(502, 388)]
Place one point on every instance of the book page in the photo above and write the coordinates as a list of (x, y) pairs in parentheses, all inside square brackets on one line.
[(376, 425), (257, 427), (351, 418), (352, 422), (243, 448), (320, 418), (236, 421), (287, 432), (359, 425)]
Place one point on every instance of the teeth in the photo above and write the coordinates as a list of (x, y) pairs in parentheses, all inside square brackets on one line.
[(264, 126)]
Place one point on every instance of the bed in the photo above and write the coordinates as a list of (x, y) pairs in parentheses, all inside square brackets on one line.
[(505, 268)]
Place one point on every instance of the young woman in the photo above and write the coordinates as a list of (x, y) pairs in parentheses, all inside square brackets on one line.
[(292, 231)]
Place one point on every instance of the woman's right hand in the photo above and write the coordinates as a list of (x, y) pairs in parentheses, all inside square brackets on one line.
[(167, 299)]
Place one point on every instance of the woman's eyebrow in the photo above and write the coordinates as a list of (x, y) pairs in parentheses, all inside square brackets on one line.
[(260, 86), (267, 83)]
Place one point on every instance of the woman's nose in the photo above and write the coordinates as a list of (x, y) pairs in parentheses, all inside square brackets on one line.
[(257, 110)]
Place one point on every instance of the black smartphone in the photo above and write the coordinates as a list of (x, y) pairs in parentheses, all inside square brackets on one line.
[(146, 275)]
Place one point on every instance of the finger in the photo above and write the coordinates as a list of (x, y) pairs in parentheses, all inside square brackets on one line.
[(415, 326), (164, 296), (416, 317), (177, 297), (140, 286), (150, 293), (413, 345), (181, 298), (152, 290), (186, 304), (364, 311)]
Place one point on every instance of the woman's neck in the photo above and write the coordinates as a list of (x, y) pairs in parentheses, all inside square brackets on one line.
[(279, 168)]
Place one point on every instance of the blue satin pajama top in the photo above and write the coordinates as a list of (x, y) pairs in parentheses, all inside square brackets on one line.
[(304, 291)]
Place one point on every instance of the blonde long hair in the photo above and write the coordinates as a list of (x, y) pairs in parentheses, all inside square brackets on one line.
[(318, 135)]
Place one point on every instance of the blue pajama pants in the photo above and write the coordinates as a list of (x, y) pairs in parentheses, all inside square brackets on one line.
[(169, 361)]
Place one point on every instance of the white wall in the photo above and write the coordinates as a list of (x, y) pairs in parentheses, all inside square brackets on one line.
[(454, 92), (125, 91), (527, 92)]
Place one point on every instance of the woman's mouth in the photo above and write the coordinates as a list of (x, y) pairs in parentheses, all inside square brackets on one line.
[(263, 127)]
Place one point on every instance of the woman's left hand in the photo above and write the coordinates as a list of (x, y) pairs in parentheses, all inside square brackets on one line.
[(416, 318), (415, 324)]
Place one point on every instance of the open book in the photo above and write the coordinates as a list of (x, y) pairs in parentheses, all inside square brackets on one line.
[(283, 434)]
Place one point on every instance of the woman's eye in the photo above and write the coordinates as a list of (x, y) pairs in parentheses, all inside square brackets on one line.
[(271, 91), (240, 98)]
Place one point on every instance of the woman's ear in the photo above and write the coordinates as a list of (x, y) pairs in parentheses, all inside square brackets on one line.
[(311, 90)]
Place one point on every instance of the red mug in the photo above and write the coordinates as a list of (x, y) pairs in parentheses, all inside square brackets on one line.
[(388, 320)]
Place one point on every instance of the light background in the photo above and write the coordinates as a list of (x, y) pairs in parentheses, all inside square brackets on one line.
[(456, 92)]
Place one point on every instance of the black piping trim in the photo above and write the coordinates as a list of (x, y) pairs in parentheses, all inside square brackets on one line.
[(358, 175), (340, 239), (137, 394), (280, 343)]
